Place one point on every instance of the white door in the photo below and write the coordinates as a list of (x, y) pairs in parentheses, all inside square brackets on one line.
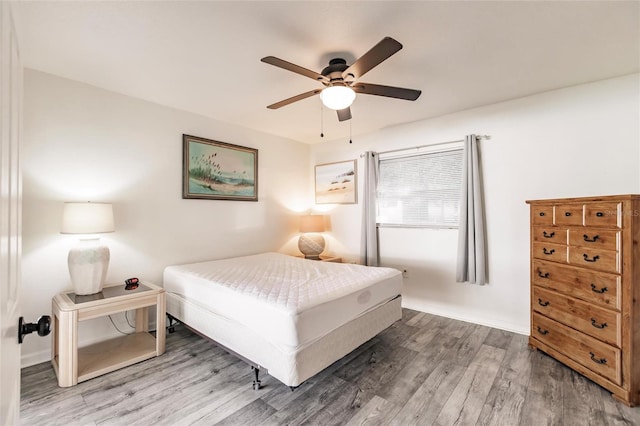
[(10, 217)]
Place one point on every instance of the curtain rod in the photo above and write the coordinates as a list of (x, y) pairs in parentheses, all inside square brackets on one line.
[(479, 137)]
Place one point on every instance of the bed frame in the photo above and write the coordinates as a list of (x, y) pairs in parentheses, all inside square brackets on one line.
[(291, 367), (254, 367)]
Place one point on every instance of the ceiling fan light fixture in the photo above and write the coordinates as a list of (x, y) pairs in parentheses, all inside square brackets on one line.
[(337, 97)]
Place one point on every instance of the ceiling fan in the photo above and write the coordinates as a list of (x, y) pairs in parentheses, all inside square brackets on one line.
[(341, 81)]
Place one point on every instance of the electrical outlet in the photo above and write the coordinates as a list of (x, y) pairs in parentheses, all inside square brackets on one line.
[(405, 273)]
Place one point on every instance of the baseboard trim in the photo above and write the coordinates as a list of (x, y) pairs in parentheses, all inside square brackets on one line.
[(456, 315), (35, 358)]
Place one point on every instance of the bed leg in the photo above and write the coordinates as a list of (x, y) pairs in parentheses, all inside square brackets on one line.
[(171, 328), (292, 388), (256, 381)]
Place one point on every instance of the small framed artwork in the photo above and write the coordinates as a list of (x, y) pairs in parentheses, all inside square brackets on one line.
[(337, 183), (215, 170)]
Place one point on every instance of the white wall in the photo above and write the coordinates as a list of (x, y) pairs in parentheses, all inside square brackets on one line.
[(578, 141), (84, 143)]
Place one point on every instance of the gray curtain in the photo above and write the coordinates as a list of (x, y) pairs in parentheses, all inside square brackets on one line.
[(471, 265), (369, 246)]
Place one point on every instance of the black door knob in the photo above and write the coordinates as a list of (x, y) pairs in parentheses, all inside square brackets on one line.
[(43, 327)]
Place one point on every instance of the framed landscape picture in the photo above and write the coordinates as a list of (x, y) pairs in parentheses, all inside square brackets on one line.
[(337, 183), (218, 171)]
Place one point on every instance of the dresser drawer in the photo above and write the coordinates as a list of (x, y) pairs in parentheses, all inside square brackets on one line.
[(591, 286), (601, 260), (542, 215), (549, 251), (595, 238), (603, 214), (549, 234), (568, 214), (601, 323), (595, 355)]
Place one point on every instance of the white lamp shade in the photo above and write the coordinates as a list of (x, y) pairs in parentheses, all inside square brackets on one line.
[(87, 218), (337, 97)]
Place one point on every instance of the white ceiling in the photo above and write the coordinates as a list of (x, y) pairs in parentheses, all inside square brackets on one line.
[(204, 57)]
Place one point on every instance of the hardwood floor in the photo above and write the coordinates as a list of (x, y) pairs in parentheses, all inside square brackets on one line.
[(423, 370)]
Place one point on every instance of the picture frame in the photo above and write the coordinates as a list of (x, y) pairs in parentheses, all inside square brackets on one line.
[(337, 183), (214, 170)]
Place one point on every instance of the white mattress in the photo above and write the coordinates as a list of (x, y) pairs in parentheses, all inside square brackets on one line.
[(289, 301)]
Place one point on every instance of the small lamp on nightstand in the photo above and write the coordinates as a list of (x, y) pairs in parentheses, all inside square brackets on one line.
[(89, 260), (311, 244)]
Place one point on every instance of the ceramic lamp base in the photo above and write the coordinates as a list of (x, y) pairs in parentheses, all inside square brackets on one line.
[(88, 264), (311, 245)]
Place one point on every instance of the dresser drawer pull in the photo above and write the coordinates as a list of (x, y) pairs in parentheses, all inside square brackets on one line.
[(567, 214), (595, 289), (596, 325), (541, 275), (549, 252), (541, 303), (541, 331), (597, 361), (544, 234), (592, 240), (541, 213), (593, 259), (599, 214)]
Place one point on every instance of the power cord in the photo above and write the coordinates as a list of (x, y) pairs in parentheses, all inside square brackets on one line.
[(126, 316), (116, 327), (170, 327)]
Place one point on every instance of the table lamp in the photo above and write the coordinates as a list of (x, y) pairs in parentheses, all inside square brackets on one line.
[(89, 260), (310, 243)]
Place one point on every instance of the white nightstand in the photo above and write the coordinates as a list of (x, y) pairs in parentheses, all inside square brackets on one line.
[(328, 258), (73, 364)]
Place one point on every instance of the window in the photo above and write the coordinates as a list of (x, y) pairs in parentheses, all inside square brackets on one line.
[(420, 190)]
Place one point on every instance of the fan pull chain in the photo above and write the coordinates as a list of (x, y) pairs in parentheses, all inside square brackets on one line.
[(321, 121), (350, 125)]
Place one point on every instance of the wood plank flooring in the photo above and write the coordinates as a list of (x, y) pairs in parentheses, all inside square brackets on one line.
[(423, 370)]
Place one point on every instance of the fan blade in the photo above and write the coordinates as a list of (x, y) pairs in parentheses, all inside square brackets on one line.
[(272, 60), (294, 99), (388, 91), (344, 114), (378, 53)]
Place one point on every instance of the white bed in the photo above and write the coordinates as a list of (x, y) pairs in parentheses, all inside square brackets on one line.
[(290, 316)]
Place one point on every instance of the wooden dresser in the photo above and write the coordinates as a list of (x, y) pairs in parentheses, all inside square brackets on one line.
[(585, 288)]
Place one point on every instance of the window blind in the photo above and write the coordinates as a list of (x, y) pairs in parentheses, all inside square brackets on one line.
[(420, 190)]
